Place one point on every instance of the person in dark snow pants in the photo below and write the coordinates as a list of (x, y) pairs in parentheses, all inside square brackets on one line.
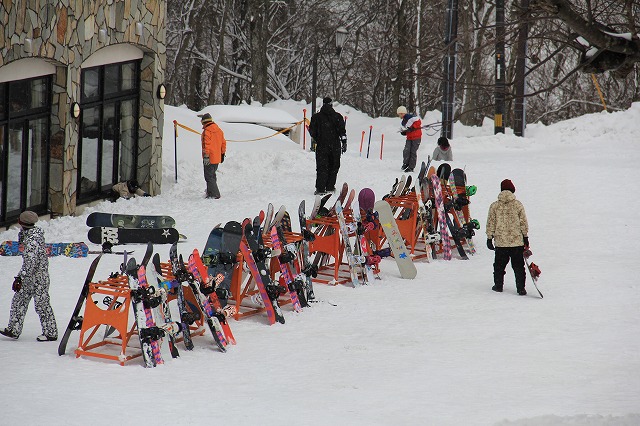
[(327, 128), (32, 282)]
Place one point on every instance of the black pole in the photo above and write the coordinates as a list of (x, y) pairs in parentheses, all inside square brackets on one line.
[(314, 81), (498, 126), (519, 105), (449, 69)]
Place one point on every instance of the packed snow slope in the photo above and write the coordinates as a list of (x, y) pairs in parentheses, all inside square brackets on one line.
[(442, 349)]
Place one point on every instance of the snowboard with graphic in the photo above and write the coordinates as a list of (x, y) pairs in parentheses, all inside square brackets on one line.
[(101, 235), (14, 248), (395, 240), (116, 220)]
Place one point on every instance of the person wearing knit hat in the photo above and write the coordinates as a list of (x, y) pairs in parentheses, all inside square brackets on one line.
[(507, 226), (507, 185), (329, 141), (32, 282), (27, 219), (411, 128), (214, 147)]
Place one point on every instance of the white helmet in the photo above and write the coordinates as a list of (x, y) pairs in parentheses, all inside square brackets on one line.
[(401, 110)]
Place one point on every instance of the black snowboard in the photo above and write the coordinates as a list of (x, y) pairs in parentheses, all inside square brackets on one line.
[(101, 235), (220, 257), (75, 323), (130, 220), (444, 170)]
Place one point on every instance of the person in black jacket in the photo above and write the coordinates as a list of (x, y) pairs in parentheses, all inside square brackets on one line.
[(328, 129)]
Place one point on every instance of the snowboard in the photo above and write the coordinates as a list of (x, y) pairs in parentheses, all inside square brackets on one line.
[(459, 201), (219, 255), (354, 265), (366, 199), (307, 267), (186, 317), (395, 240), (534, 270), (101, 235), (361, 246), (444, 170), (294, 284), (207, 309), (210, 300), (75, 323), (442, 217), (14, 248), (164, 312), (254, 258), (129, 221)]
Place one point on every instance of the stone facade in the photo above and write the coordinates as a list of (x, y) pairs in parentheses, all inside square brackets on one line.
[(68, 32)]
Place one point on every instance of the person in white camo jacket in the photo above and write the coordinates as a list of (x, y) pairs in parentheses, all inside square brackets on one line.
[(32, 282), (507, 225)]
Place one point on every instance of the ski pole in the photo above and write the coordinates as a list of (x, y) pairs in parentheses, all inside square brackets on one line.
[(381, 145), (304, 129), (361, 142), (369, 143)]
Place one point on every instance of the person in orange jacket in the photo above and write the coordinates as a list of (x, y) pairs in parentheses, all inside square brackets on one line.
[(214, 146)]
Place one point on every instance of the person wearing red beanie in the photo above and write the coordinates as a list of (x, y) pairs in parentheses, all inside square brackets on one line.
[(507, 225)]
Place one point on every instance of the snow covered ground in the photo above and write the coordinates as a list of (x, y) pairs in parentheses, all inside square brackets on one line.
[(442, 349)]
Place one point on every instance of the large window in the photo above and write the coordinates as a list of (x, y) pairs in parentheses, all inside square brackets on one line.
[(109, 128), (25, 109)]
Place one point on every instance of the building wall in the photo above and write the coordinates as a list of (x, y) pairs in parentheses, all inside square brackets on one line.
[(67, 33)]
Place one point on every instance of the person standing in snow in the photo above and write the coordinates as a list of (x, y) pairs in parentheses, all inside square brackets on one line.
[(214, 146), (32, 281), (411, 127), (507, 225), (328, 129), (442, 152)]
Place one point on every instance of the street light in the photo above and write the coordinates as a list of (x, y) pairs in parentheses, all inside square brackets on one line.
[(341, 37)]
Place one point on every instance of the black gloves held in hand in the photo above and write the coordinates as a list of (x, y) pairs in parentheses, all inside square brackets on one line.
[(490, 244)]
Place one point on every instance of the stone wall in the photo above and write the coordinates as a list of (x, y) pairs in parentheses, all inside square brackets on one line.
[(67, 32)]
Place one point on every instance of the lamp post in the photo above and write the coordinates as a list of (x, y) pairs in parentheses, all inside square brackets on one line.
[(341, 37)]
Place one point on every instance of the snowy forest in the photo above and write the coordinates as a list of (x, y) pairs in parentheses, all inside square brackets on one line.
[(233, 51)]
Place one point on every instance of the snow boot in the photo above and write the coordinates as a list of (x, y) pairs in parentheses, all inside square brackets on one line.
[(8, 333), (45, 338), (522, 292), (497, 288)]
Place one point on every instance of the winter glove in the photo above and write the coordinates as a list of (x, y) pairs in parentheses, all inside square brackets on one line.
[(205, 160), (526, 241), (222, 160), (490, 244), (17, 283), (403, 132)]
